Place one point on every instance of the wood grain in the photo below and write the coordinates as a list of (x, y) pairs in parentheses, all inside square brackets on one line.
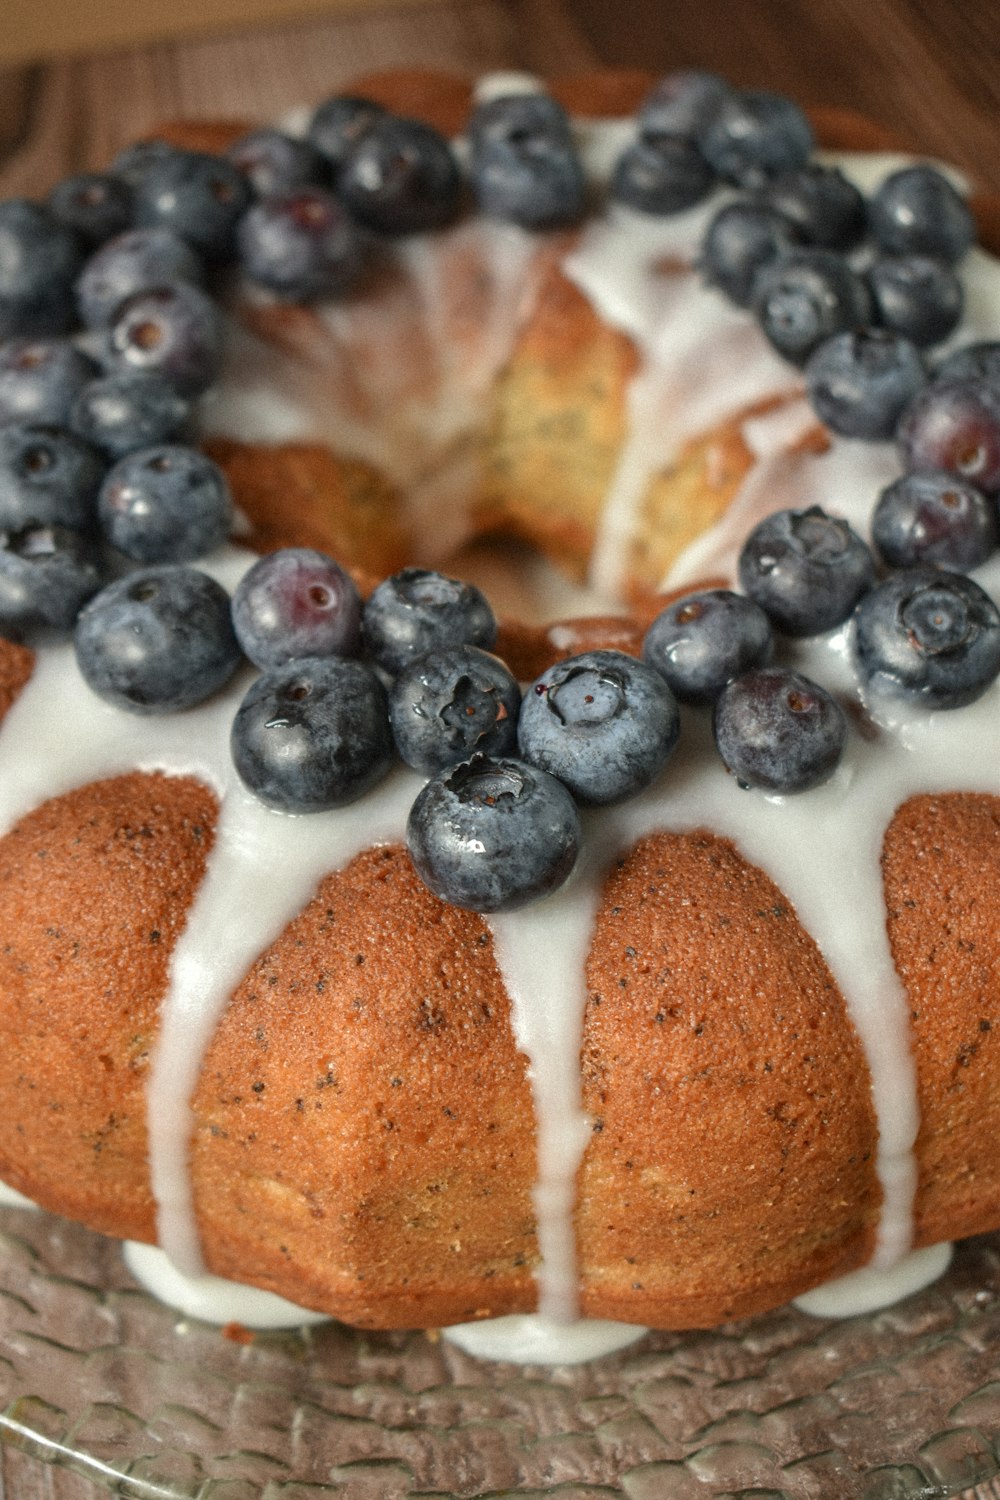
[(928, 70), (74, 114), (42, 28)]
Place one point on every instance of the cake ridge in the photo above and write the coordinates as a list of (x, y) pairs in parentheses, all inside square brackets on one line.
[(813, 852)]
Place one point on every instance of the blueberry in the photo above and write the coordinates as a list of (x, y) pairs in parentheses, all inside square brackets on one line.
[(401, 178), (929, 636), (96, 205), (682, 103), (416, 611), (955, 425), (513, 118), (300, 245), (339, 124), (779, 731), (47, 573), (916, 296), (826, 208), (312, 734), (135, 161), (661, 174), (449, 705), (47, 477), (917, 212), (273, 162), (536, 181), (979, 361), (295, 603), (805, 297), (197, 197), (165, 504), (754, 136), (805, 569), (698, 643), (172, 331), (602, 722), (40, 379), (740, 242), (932, 517), (39, 261), (157, 641), (860, 383), (493, 835), (119, 413), (134, 262)]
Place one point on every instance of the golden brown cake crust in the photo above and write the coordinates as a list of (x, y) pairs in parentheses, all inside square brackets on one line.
[(363, 1111), (364, 1137), (300, 495), (732, 1163), (942, 877), (94, 890)]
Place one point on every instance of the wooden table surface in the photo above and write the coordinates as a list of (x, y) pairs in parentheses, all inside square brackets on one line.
[(929, 70)]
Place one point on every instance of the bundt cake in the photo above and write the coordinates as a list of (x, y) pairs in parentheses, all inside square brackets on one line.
[(748, 1048)]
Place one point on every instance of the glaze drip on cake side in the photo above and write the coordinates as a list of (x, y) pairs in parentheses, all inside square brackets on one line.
[(673, 321), (541, 959)]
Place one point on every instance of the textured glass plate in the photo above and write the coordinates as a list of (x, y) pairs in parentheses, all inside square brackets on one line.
[(97, 1376)]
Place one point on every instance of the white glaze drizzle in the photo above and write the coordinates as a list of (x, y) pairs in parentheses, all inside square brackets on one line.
[(702, 362), (213, 1299), (262, 870), (11, 1198), (501, 85), (531, 1339), (542, 952), (816, 848), (872, 1287), (398, 378)]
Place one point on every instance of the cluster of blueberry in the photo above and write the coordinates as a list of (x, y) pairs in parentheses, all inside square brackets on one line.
[(111, 330), (853, 290), (497, 823), (111, 327), (129, 252), (924, 634), (63, 505), (95, 480)]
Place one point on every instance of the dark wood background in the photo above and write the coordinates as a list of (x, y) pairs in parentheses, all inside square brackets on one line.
[(928, 68)]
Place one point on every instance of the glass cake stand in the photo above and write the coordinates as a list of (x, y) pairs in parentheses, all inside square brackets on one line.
[(97, 1376)]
